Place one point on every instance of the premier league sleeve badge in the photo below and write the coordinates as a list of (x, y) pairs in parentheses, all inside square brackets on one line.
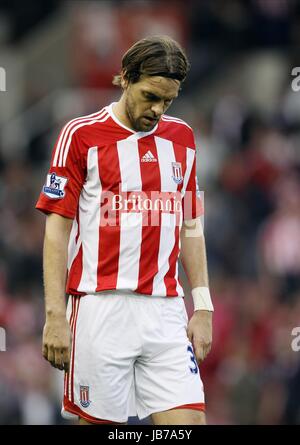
[(54, 187)]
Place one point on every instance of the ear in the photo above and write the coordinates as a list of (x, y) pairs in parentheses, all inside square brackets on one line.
[(124, 80)]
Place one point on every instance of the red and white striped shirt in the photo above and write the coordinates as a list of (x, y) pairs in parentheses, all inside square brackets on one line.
[(127, 193)]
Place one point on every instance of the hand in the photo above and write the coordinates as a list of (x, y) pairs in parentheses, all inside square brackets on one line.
[(199, 332), (57, 339)]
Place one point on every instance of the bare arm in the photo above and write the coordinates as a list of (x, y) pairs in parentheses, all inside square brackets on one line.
[(193, 258), (193, 253), (57, 334)]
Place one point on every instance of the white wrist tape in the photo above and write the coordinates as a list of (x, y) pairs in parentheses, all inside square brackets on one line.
[(202, 300)]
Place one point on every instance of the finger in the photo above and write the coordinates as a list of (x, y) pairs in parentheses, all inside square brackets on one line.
[(66, 359), (204, 350), (58, 359), (50, 357), (199, 353), (45, 351), (208, 349)]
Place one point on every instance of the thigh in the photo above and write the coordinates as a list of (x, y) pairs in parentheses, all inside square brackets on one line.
[(168, 376), (179, 417), (82, 421)]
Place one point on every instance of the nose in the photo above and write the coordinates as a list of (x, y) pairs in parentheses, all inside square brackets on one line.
[(158, 108)]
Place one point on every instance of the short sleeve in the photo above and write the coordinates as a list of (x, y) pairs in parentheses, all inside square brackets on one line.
[(66, 176), (192, 202)]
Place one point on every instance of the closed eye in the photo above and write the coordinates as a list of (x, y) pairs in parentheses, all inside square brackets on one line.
[(152, 97)]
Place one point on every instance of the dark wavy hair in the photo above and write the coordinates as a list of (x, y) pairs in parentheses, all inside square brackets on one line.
[(154, 56)]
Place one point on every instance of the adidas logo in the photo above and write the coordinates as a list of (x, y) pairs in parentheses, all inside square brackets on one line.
[(148, 157)]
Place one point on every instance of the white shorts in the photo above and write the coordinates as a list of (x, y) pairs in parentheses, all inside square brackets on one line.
[(130, 356)]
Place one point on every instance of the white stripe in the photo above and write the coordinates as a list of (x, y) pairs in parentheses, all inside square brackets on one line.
[(128, 153), (89, 221), (190, 155), (67, 146), (71, 355), (63, 138), (68, 315), (130, 250), (166, 155), (167, 241), (76, 307), (167, 116), (175, 119), (179, 289), (73, 247), (151, 155), (64, 133), (77, 303), (68, 389)]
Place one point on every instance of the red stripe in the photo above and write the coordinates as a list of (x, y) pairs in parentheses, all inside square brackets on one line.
[(195, 406), (180, 156), (71, 326), (148, 263), (55, 147), (67, 374), (71, 356), (77, 302), (192, 205), (64, 135), (109, 235), (174, 119), (169, 279), (65, 383), (78, 225), (75, 274), (74, 409), (70, 126)]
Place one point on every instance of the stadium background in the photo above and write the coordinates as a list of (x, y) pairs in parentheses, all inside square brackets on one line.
[(59, 59)]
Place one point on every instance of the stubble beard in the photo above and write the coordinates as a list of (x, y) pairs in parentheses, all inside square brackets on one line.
[(135, 122)]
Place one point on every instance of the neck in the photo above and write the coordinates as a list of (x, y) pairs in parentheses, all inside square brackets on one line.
[(119, 110)]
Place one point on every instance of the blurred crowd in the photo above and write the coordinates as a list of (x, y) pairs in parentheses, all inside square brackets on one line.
[(248, 164), (252, 228)]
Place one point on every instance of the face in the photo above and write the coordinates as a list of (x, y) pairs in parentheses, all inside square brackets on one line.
[(147, 99)]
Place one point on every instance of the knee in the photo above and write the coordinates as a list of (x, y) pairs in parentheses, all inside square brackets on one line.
[(198, 418)]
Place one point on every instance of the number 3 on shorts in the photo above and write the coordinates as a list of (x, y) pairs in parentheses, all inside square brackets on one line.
[(194, 369)]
